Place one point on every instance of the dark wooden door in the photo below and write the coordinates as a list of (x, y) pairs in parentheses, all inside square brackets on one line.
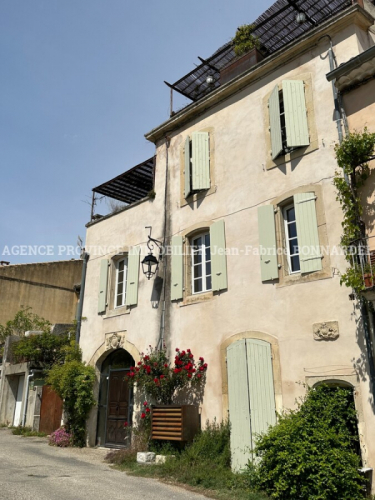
[(117, 408), (50, 410)]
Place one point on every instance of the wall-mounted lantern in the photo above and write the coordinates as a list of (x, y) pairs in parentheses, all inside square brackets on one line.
[(150, 264)]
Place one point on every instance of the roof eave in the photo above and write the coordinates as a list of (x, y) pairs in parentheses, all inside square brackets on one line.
[(354, 63), (354, 14)]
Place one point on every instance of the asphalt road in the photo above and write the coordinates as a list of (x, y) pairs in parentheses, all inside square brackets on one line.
[(32, 470)]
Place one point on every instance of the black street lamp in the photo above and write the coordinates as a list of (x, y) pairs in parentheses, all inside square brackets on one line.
[(150, 264)]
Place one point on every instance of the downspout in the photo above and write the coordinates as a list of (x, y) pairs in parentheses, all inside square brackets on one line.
[(162, 321), (86, 257)]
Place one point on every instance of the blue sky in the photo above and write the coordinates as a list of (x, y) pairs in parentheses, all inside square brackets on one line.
[(81, 82)]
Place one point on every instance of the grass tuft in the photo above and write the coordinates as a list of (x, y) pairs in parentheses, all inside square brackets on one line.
[(27, 432), (203, 465)]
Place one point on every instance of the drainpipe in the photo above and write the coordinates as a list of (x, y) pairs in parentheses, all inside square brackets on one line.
[(86, 257), (26, 401), (162, 322)]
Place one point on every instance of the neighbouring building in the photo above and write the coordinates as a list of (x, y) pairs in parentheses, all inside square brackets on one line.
[(51, 290), (241, 192)]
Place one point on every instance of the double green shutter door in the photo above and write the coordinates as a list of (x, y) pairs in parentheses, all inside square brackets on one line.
[(218, 261), (296, 126), (197, 163), (251, 396), (307, 233), (131, 282)]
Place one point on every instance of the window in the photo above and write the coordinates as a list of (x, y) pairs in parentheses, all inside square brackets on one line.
[(197, 163), (292, 250), (121, 281), (288, 118), (118, 282), (201, 263), (300, 252)]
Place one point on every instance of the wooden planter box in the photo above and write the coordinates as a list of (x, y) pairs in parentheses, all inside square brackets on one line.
[(174, 422), (240, 64)]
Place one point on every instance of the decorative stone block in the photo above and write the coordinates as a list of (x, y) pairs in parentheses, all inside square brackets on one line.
[(114, 340), (145, 457), (329, 330), (161, 459)]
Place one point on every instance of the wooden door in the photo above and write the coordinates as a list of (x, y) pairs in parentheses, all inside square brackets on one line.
[(50, 410), (117, 407)]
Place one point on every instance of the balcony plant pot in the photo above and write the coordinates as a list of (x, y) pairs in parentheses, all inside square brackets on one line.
[(240, 64), (368, 279), (174, 422)]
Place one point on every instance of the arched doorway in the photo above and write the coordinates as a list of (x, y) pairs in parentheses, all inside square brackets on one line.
[(115, 404)]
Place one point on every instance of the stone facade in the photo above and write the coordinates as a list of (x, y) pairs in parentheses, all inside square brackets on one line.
[(284, 312)]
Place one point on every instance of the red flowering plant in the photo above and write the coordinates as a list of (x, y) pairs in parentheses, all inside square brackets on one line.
[(161, 379), (142, 429)]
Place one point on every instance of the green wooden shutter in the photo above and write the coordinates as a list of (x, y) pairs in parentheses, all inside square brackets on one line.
[(187, 168), (297, 131), (267, 243), (103, 280), (177, 280), (239, 405), (260, 377), (275, 123), (133, 277), (200, 161), (307, 232), (218, 257)]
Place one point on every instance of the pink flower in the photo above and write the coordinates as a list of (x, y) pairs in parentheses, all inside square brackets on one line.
[(148, 410), (145, 403)]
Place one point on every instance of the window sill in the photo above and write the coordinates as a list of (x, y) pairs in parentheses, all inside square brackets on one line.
[(197, 196), (295, 279), (196, 299), (120, 311), (297, 153)]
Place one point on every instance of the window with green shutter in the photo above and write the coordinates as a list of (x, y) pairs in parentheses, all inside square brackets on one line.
[(288, 118), (197, 163), (299, 246)]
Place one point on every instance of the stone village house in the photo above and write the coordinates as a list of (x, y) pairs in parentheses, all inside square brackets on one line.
[(248, 165)]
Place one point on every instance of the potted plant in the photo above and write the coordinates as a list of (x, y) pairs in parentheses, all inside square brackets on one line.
[(246, 47)]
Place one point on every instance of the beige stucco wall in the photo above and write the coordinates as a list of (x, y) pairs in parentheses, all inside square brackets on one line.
[(45, 287), (284, 313)]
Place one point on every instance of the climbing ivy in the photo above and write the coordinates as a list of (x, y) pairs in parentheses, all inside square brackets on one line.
[(353, 156)]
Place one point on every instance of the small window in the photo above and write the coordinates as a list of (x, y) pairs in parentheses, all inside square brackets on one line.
[(201, 263), (197, 163), (121, 279), (291, 238), (288, 118)]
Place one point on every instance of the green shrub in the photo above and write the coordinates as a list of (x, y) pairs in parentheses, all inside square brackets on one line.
[(74, 383), (203, 464), (311, 454)]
